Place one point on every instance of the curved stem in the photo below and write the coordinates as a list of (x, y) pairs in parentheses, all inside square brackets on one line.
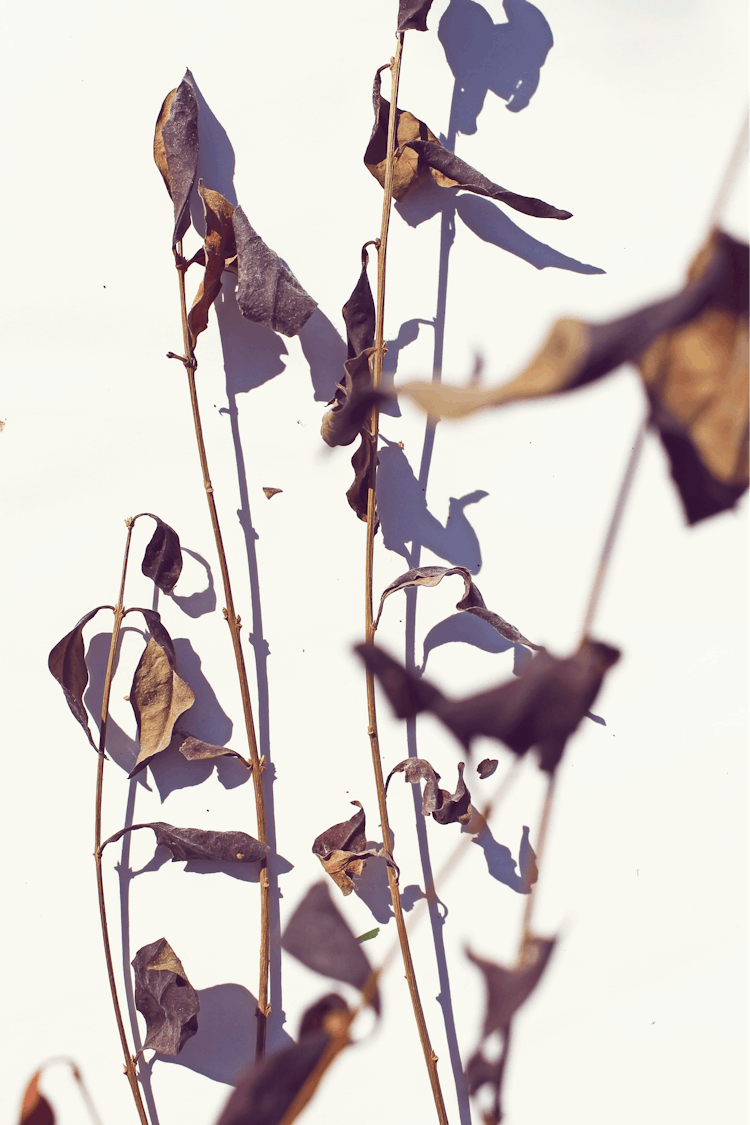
[(119, 614), (377, 374), (257, 763)]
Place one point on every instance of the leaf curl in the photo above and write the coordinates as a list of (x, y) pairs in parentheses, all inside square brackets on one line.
[(343, 852), (444, 807), (267, 290), (162, 560), (176, 150), (351, 403), (165, 998), (195, 750), (198, 844), (412, 15), (67, 663), (158, 695), (218, 248)]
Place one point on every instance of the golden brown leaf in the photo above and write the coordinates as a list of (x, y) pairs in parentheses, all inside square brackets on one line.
[(219, 247), (158, 695), (270, 492)]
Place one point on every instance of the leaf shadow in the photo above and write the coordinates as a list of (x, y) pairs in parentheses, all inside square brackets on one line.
[(500, 863), (243, 872), (121, 748), (202, 601), (465, 628)]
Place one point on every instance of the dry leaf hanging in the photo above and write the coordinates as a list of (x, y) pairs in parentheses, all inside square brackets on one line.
[(176, 150), (158, 695), (472, 601), (162, 561), (364, 461), (165, 998), (542, 708), (218, 249), (198, 844), (359, 313), (196, 750), (267, 290), (444, 807), (67, 663), (412, 15), (35, 1109), (343, 851), (351, 403)]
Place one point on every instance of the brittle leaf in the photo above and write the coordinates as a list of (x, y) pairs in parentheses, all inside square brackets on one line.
[(358, 492), (165, 998), (414, 771), (195, 750), (412, 15), (455, 807), (67, 663), (196, 843), (269, 493), (35, 1109), (158, 695), (218, 246), (162, 561), (342, 850), (351, 403), (487, 767), (359, 313), (267, 290), (318, 936), (176, 150)]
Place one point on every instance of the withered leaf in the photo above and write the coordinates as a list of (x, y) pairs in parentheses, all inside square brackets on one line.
[(176, 150), (318, 936), (196, 843), (266, 1090), (508, 989), (487, 767), (471, 602), (165, 998), (455, 807), (359, 313), (197, 751), (218, 247), (162, 561), (35, 1109), (445, 807), (542, 708), (67, 663), (343, 851), (412, 15), (351, 403), (158, 695), (362, 462), (270, 492), (267, 290)]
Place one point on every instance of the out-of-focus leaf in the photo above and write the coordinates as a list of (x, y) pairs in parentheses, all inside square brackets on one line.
[(218, 246), (351, 403), (196, 843), (542, 708), (508, 989), (471, 602), (445, 807), (176, 149), (358, 492), (267, 290), (359, 313), (412, 15), (267, 1089), (270, 492), (197, 751), (487, 767), (158, 695), (35, 1109), (162, 562), (165, 998), (343, 851), (67, 663), (318, 936)]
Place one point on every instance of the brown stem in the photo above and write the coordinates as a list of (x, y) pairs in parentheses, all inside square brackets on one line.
[(377, 373), (528, 914), (257, 763), (119, 614)]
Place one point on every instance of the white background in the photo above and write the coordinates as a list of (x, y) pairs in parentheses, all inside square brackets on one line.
[(641, 1014)]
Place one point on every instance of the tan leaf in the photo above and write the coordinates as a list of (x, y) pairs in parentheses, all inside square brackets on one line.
[(408, 173), (269, 492), (158, 695), (219, 247)]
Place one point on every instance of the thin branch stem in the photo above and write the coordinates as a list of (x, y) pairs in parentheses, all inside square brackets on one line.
[(377, 374), (528, 914), (119, 614), (78, 1078), (257, 763)]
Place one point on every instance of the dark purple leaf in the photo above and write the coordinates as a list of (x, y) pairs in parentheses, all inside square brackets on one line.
[(176, 150), (508, 989), (158, 695), (359, 314), (67, 663), (455, 807), (196, 843), (162, 562), (487, 767), (414, 771), (165, 998), (267, 290), (343, 851), (351, 403), (412, 15), (318, 936), (35, 1109), (362, 463)]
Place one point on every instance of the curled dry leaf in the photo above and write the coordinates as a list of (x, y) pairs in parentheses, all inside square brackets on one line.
[(471, 602), (267, 1089), (419, 156), (359, 313), (351, 403), (67, 663), (267, 290), (218, 249), (269, 492), (455, 807), (158, 695), (35, 1109), (318, 936), (445, 807), (343, 851), (487, 767), (541, 709), (165, 998), (176, 150), (412, 15), (162, 561), (362, 462), (691, 350), (197, 751), (196, 843)]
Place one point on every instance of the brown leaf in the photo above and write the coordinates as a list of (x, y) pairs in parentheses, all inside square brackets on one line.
[(362, 463), (412, 15), (269, 492), (359, 313), (351, 403), (218, 246), (455, 808), (471, 602), (318, 936), (414, 771), (35, 1109), (165, 998), (158, 695), (267, 290), (197, 751), (176, 150), (67, 663), (487, 767), (196, 843), (162, 562), (343, 851), (542, 708)]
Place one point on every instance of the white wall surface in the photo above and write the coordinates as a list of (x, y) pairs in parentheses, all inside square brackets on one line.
[(641, 1015)]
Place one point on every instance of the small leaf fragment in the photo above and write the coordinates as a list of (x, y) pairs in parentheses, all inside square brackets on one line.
[(267, 290), (67, 663), (197, 751), (162, 561), (165, 998), (369, 935), (342, 850), (318, 936), (412, 15), (176, 150), (269, 492), (218, 248), (197, 844), (158, 695), (35, 1109), (487, 767)]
